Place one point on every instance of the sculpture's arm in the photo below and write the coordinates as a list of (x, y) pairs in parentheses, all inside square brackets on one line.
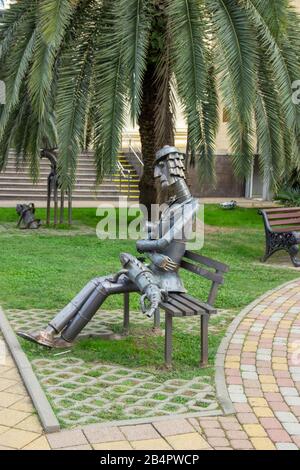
[(176, 232), (152, 229)]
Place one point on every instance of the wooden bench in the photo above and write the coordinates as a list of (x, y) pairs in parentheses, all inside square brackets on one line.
[(282, 227), (184, 305)]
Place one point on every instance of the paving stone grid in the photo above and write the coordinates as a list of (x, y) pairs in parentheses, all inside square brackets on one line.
[(262, 373), (84, 393)]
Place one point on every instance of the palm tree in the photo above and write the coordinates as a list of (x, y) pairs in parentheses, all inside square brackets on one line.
[(70, 62)]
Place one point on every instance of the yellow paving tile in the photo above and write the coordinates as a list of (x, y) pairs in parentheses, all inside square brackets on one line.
[(233, 358), (151, 444), (5, 383), (279, 360), (258, 402), (11, 374), (263, 412), (232, 365), (40, 443), (118, 445), (262, 443), (269, 388), (280, 367), (3, 429), (190, 441), (267, 379), (286, 323), (267, 335), (254, 430), (24, 404), (17, 438), (18, 389), (8, 399), (30, 424), (9, 417), (250, 348)]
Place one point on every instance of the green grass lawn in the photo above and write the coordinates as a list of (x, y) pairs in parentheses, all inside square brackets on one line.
[(41, 270), (44, 269)]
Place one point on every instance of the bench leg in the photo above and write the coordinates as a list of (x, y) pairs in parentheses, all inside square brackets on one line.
[(156, 324), (204, 340), (168, 340), (126, 312)]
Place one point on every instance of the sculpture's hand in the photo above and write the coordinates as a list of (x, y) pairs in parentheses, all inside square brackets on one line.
[(163, 262), (168, 264)]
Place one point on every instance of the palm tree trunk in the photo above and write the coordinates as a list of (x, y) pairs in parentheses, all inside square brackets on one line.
[(148, 193), (149, 141)]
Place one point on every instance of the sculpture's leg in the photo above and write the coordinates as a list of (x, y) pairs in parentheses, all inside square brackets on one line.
[(105, 288), (79, 311)]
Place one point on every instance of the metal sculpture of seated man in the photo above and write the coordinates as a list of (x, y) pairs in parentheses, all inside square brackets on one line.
[(165, 248)]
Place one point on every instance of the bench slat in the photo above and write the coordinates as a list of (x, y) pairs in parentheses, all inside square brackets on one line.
[(202, 272), (185, 302), (193, 303), (170, 308), (211, 310), (291, 228), (285, 222), (286, 215), (181, 307), (280, 209), (207, 261)]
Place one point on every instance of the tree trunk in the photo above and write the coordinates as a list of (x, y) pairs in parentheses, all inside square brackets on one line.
[(149, 193)]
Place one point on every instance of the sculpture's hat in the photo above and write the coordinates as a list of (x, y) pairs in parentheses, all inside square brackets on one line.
[(163, 153)]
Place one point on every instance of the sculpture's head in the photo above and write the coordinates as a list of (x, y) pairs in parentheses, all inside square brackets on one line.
[(169, 166)]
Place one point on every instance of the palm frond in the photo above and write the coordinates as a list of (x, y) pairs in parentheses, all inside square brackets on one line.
[(110, 95), (237, 59), (134, 18)]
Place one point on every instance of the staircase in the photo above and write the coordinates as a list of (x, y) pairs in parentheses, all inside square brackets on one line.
[(17, 185)]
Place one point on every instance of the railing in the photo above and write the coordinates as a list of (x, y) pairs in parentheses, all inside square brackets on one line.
[(134, 158), (126, 174)]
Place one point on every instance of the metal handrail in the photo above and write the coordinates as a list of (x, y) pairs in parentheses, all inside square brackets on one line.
[(132, 149), (123, 171)]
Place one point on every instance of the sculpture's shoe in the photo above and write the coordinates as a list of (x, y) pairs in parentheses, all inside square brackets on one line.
[(40, 337), (60, 343)]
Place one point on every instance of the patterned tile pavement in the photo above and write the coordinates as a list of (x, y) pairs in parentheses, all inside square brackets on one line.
[(90, 392), (262, 371)]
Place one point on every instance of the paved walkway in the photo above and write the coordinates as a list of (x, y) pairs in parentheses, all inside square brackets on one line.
[(262, 372)]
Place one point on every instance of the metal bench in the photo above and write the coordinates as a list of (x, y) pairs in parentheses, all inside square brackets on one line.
[(184, 305), (282, 227)]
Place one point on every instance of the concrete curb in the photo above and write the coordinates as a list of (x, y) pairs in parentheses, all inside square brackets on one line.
[(37, 395), (221, 386)]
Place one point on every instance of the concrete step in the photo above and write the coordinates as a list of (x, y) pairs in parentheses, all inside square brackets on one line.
[(17, 184)]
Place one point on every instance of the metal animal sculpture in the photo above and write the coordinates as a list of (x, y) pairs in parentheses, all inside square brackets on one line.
[(164, 247), (27, 219)]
